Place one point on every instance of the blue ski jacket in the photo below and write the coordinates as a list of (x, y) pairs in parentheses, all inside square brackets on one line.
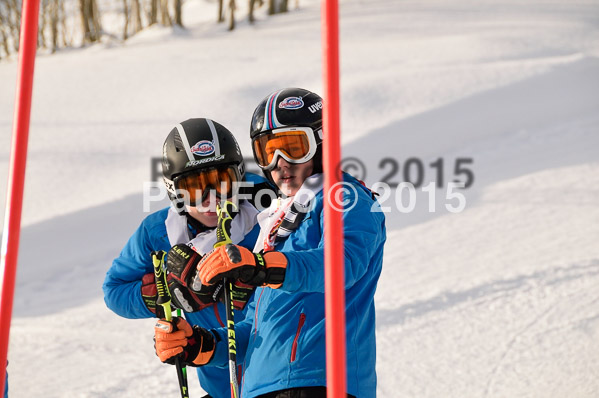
[(281, 343), (122, 290)]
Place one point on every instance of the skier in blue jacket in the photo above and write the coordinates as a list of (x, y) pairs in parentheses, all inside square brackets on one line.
[(200, 159), (281, 343)]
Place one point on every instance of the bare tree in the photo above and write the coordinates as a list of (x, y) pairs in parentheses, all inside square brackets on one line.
[(220, 17), (43, 16), (231, 14), (96, 18), (132, 15), (230, 9), (178, 13), (253, 4), (165, 16), (126, 15), (62, 21), (54, 34), (15, 23), (54, 12), (153, 12), (10, 24), (136, 11), (278, 6), (3, 34), (90, 21)]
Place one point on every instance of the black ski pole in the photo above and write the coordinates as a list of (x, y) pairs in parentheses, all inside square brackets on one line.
[(164, 300), (223, 236)]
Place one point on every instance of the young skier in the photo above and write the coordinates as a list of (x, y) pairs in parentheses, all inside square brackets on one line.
[(201, 163), (281, 343)]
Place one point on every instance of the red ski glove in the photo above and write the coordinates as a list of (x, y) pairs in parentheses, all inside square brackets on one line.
[(149, 294), (182, 297), (237, 262), (194, 345), (181, 265)]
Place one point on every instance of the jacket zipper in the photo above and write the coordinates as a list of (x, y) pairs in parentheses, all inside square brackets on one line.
[(300, 324)]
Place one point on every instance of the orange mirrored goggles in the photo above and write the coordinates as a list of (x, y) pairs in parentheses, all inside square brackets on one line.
[(196, 185), (294, 144)]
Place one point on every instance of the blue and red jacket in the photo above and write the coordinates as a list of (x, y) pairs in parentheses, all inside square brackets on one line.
[(281, 343), (122, 290)]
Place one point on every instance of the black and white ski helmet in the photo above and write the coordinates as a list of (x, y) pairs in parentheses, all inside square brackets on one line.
[(290, 107), (198, 144)]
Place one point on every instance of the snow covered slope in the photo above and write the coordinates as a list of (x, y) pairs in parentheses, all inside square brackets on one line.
[(498, 300)]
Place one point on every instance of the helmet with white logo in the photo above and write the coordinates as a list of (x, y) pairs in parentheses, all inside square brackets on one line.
[(200, 154), (291, 117)]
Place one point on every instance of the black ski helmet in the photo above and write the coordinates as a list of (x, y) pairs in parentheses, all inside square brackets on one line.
[(197, 144), (290, 107)]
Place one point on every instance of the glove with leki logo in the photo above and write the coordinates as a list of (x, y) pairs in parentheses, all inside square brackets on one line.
[(181, 265)]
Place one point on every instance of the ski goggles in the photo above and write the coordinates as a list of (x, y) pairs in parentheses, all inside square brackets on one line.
[(294, 144), (195, 186)]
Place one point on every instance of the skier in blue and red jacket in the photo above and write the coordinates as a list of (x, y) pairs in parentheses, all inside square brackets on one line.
[(281, 343), (200, 159)]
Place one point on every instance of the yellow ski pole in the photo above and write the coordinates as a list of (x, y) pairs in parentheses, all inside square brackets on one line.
[(223, 236), (164, 300)]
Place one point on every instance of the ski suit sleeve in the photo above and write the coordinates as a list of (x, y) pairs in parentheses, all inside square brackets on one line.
[(363, 233), (242, 335), (6, 383), (122, 285)]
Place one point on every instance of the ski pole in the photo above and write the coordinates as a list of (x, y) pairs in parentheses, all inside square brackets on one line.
[(164, 300), (183, 367), (223, 236)]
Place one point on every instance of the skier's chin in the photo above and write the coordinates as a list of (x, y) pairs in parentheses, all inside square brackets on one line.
[(288, 189)]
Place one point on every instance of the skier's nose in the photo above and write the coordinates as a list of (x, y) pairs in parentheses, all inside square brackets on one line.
[(282, 163)]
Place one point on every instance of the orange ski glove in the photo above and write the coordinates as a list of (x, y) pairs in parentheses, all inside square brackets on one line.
[(237, 262), (194, 345)]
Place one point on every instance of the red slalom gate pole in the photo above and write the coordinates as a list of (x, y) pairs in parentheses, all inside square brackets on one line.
[(333, 221), (16, 174)]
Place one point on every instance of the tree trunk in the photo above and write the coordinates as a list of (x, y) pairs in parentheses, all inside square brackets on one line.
[(3, 34), (221, 13), (154, 12), (15, 24), (178, 13), (54, 7), (43, 21), (90, 21), (231, 14), (165, 16), (251, 12), (96, 19), (66, 38), (126, 14), (84, 21), (136, 11), (283, 6), (271, 7)]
